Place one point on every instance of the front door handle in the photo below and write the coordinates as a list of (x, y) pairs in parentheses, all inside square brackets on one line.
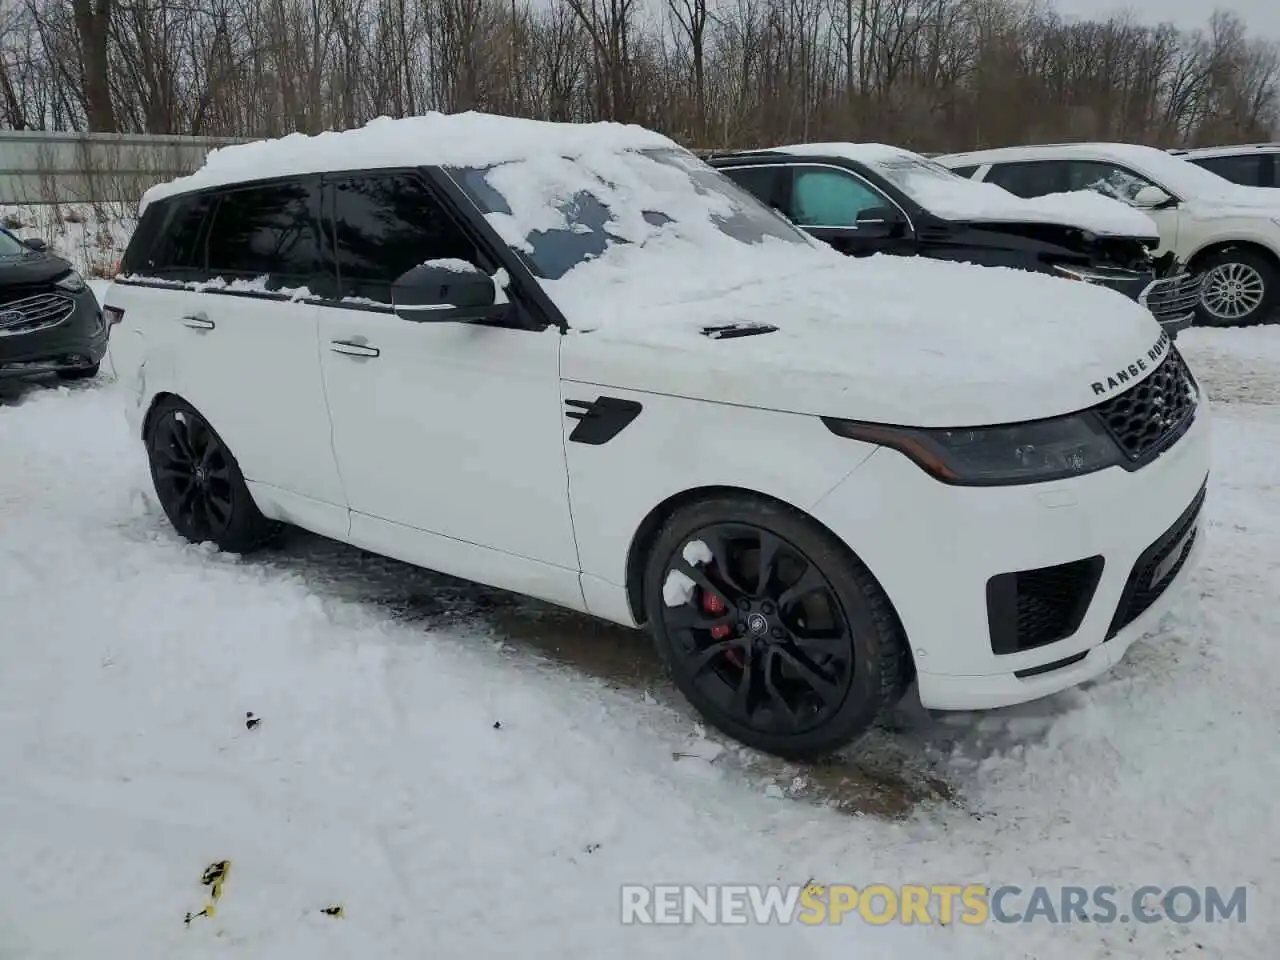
[(198, 321), (353, 349)]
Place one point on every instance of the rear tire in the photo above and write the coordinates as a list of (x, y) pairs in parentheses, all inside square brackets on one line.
[(796, 654), (1241, 287), (80, 373), (199, 483)]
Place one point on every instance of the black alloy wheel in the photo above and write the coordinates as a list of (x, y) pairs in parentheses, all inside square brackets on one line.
[(199, 482), (777, 635)]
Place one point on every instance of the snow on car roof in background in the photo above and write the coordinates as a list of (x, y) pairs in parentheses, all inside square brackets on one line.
[(953, 197), (461, 139)]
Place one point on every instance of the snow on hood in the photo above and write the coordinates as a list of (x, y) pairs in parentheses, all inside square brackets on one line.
[(462, 139), (952, 197), (642, 250)]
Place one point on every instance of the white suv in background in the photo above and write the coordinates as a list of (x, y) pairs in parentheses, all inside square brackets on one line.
[(575, 362), (1229, 233)]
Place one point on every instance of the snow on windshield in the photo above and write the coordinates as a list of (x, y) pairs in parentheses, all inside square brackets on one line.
[(562, 212)]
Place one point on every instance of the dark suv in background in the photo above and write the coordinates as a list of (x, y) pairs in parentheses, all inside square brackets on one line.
[(865, 199), (50, 321)]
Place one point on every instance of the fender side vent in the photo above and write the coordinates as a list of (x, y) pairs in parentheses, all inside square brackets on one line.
[(729, 330)]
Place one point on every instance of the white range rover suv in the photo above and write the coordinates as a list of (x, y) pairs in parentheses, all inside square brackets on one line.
[(1228, 233), (575, 362)]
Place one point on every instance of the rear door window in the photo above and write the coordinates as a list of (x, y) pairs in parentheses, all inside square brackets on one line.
[(385, 224), (763, 182), (269, 231), (1034, 178)]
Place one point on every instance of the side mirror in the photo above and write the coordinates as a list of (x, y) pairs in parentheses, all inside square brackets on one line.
[(444, 290), (1151, 197), (36, 244)]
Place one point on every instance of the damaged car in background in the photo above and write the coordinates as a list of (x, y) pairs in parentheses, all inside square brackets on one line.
[(867, 198)]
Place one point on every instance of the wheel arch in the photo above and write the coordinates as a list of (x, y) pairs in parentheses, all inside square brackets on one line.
[(156, 401), (647, 532), (1221, 246)]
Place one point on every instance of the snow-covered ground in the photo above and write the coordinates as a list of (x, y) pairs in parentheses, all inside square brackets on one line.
[(423, 763)]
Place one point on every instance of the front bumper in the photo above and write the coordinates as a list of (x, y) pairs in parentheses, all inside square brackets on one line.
[(935, 548), (67, 334)]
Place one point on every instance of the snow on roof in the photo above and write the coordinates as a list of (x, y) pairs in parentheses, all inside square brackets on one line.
[(462, 139), (952, 197)]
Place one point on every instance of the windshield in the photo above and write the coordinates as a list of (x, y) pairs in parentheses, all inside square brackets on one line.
[(915, 175), (560, 212), (10, 245)]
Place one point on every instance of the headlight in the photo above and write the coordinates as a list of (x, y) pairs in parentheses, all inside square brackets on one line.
[(72, 283), (1031, 452)]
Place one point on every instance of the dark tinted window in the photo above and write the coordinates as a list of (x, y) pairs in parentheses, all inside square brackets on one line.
[(966, 172), (762, 182), (169, 235), (271, 230), (385, 224), (1034, 179), (1245, 169)]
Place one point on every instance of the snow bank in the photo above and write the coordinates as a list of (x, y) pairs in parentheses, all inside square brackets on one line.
[(952, 197)]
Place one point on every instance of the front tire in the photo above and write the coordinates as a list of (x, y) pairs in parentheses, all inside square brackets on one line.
[(1240, 287), (199, 483), (771, 628)]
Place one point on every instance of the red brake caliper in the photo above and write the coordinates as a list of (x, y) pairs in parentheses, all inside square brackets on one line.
[(714, 606)]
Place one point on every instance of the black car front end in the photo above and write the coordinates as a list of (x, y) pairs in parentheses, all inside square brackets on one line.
[(50, 321), (1171, 299)]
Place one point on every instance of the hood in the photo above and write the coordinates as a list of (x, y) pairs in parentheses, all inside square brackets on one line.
[(1082, 209), (883, 339), (33, 267)]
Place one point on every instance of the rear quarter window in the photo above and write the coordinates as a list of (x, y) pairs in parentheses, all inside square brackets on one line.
[(168, 236)]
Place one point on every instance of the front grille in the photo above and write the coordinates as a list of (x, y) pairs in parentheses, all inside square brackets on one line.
[(1157, 567), (1172, 297), (1030, 608), (34, 313), (1149, 416)]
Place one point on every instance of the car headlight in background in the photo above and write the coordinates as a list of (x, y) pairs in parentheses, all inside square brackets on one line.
[(71, 283), (1031, 452)]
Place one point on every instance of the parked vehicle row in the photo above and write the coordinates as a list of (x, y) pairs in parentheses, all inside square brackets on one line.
[(864, 199), (1226, 233), (575, 362)]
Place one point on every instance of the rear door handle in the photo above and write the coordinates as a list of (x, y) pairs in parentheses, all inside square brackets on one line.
[(198, 321), (353, 349)]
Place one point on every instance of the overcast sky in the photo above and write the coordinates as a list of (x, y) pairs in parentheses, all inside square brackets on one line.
[(1262, 16)]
